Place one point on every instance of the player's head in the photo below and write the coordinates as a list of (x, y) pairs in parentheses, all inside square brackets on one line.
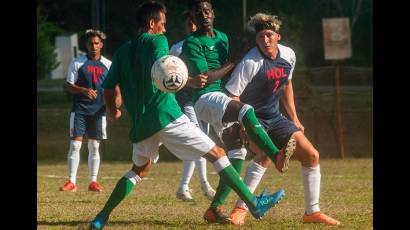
[(95, 41), (189, 25), (267, 31), (151, 17), (203, 14)]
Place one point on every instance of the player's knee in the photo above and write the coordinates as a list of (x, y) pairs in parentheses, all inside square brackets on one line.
[(245, 108), (143, 170), (312, 157), (93, 146), (75, 146)]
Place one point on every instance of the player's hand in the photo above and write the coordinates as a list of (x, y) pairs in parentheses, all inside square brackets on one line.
[(198, 82), (114, 116), (90, 93), (299, 125)]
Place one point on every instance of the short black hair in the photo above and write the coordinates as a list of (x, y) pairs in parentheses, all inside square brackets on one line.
[(147, 11), (187, 15), (193, 3)]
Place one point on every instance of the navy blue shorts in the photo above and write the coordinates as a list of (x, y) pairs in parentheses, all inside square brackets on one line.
[(91, 126), (281, 130)]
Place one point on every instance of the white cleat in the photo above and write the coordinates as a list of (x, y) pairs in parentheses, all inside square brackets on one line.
[(208, 191), (184, 195)]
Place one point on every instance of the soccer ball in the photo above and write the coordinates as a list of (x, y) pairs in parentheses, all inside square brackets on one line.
[(169, 73)]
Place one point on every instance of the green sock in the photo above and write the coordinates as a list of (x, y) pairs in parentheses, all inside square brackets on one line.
[(233, 180), (258, 134), (223, 189), (122, 189)]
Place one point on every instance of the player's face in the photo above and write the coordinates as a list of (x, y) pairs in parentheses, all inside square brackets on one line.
[(204, 15), (94, 46), (159, 26), (190, 27), (267, 41)]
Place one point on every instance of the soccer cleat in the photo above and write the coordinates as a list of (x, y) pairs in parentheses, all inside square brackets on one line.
[(265, 201), (69, 187), (184, 195), (215, 215), (94, 187), (238, 215), (208, 191), (319, 217), (99, 222), (283, 157)]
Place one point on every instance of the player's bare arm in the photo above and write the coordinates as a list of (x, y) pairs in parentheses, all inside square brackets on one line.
[(113, 112), (216, 74), (288, 101), (74, 89)]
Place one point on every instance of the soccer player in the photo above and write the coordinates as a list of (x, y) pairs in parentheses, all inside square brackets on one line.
[(157, 119), (206, 53), (85, 76), (184, 99), (262, 79)]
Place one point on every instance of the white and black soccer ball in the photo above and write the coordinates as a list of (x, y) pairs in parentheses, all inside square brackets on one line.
[(169, 73)]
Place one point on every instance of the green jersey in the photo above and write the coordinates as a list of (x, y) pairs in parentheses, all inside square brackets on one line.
[(150, 109), (202, 53)]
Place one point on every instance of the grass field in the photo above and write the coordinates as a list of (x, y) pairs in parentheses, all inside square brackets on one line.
[(346, 194)]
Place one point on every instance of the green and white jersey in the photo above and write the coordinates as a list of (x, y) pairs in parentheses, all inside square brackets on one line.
[(202, 53), (150, 109)]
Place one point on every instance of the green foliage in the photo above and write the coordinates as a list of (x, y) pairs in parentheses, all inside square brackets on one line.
[(46, 56)]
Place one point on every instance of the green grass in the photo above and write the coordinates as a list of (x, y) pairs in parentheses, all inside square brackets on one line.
[(346, 194)]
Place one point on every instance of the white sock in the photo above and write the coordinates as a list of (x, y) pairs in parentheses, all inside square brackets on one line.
[(253, 176), (311, 184), (133, 177), (93, 159), (201, 167), (73, 159), (187, 171), (221, 164)]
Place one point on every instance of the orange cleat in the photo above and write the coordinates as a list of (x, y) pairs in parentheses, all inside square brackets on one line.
[(94, 187), (69, 187), (283, 157), (319, 217), (215, 215), (238, 215)]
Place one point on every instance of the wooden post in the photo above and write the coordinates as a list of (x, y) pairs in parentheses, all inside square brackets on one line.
[(339, 113)]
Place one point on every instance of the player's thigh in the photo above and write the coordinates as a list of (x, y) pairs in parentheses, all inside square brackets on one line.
[(305, 152), (281, 131), (97, 127), (78, 125), (146, 150), (185, 140)]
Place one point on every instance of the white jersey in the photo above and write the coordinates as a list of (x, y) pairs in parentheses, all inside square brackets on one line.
[(176, 49)]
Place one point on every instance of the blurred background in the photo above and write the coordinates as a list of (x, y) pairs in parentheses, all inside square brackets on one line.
[(334, 96)]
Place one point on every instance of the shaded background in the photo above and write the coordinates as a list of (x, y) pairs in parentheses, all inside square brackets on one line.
[(314, 77)]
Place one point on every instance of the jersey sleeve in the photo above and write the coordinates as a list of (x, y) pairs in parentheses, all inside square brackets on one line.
[(194, 58), (244, 72), (113, 76), (292, 63), (72, 72)]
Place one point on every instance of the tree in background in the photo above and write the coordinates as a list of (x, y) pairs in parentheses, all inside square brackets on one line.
[(46, 56)]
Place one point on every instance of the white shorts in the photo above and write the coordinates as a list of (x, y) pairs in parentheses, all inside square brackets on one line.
[(181, 137), (211, 108)]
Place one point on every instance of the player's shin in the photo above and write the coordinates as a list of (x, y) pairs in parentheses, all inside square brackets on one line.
[(256, 132), (231, 177), (224, 189), (123, 187)]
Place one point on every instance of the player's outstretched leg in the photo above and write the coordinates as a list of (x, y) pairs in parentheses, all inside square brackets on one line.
[(123, 187)]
